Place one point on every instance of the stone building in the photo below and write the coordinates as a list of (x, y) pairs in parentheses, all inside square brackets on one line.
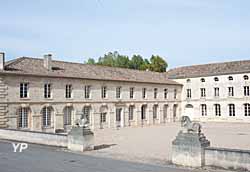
[(42, 94), (215, 92)]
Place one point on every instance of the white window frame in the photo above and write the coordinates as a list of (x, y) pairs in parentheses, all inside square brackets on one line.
[(68, 91), (104, 92), (231, 110), (87, 91), (118, 92), (131, 92), (47, 90), (203, 110), (24, 90)]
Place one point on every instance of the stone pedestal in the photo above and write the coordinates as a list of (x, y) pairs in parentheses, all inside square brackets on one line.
[(188, 149), (80, 139)]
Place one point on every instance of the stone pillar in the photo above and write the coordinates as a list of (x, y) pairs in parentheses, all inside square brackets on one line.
[(188, 149), (80, 139)]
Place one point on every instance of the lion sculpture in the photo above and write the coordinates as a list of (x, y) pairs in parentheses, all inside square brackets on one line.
[(188, 126), (82, 123)]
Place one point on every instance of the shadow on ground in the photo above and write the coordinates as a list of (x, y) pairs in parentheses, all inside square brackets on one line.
[(103, 146)]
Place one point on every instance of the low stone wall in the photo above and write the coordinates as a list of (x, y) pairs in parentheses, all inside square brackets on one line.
[(34, 137), (227, 158)]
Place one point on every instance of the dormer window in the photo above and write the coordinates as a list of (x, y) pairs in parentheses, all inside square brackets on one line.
[(230, 78), (216, 79), (245, 77), (202, 79)]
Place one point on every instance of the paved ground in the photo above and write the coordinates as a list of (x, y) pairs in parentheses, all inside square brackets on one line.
[(49, 159), (153, 144)]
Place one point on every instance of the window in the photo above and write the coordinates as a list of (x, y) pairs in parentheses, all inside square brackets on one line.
[(131, 92), (246, 91), (165, 93), (24, 89), (217, 110), (247, 109), (131, 113), (202, 79), (104, 92), (245, 77), (87, 89), (230, 91), (23, 118), (118, 92), (118, 114), (86, 113), (231, 109), (155, 93), (68, 91), (144, 93), (189, 93), (103, 117), (175, 93), (216, 79), (143, 112), (46, 113), (216, 92), (203, 92), (47, 91), (203, 109), (68, 115), (155, 107), (230, 78)]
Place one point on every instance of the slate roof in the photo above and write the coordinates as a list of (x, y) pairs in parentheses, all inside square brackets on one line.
[(212, 69), (60, 69)]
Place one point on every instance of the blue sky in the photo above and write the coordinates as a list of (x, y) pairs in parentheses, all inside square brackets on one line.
[(184, 32)]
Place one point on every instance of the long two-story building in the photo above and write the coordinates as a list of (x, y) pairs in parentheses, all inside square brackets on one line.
[(42, 94)]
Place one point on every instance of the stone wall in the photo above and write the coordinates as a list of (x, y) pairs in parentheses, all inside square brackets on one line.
[(227, 158), (34, 137)]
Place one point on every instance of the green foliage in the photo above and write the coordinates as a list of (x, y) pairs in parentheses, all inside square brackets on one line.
[(114, 59)]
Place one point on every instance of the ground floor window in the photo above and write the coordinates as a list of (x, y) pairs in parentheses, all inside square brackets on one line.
[(231, 109), (86, 113), (217, 110), (204, 110), (131, 113), (155, 107), (247, 109), (68, 111), (118, 114), (103, 117), (165, 112), (143, 112), (46, 115), (23, 117)]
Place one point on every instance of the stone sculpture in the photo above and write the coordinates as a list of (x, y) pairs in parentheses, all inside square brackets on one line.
[(188, 126)]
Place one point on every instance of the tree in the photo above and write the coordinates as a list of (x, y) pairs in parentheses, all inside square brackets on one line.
[(90, 61), (136, 62), (122, 61), (145, 65), (108, 59), (157, 64)]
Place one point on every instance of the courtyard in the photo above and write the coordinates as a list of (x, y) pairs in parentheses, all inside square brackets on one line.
[(153, 144)]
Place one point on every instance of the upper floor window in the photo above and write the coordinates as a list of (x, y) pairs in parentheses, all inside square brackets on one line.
[(230, 78), (217, 110), (165, 93), (24, 90), (216, 79), (87, 89), (246, 91), (247, 109), (68, 91), (175, 93), (202, 79), (203, 92), (104, 92), (230, 91), (189, 93), (216, 91), (245, 77), (144, 93), (131, 92), (204, 110), (118, 92), (231, 109), (47, 90), (155, 93)]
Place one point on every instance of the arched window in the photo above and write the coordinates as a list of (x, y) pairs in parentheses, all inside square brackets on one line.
[(202, 79), (86, 113), (230, 78), (23, 115), (216, 79), (67, 118), (245, 77), (46, 114)]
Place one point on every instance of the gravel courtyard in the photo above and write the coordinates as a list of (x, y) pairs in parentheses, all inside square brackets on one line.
[(153, 144)]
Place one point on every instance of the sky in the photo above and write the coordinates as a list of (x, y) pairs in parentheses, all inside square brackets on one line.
[(183, 32)]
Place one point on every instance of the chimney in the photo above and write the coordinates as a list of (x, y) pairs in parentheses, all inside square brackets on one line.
[(47, 61), (2, 61)]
